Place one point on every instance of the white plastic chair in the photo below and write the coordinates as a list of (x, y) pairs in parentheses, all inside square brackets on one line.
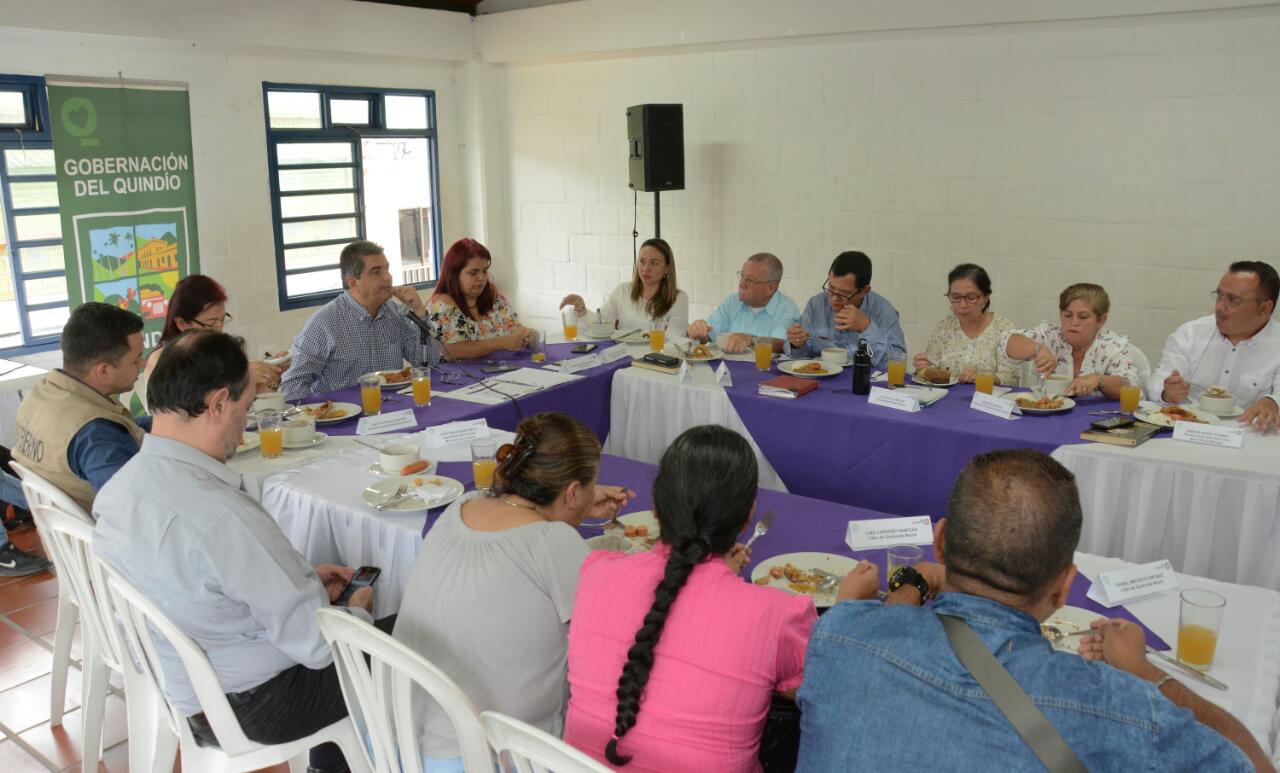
[(39, 491), (377, 674), (139, 619), (1144, 367), (532, 750)]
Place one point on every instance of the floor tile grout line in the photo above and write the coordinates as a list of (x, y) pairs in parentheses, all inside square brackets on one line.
[(28, 748), (15, 626)]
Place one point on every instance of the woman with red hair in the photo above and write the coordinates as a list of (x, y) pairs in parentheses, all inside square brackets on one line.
[(471, 317)]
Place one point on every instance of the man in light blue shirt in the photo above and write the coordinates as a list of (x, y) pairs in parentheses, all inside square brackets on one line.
[(758, 309), (845, 311)]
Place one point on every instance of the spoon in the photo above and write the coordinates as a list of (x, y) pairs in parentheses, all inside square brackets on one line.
[(1055, 635)]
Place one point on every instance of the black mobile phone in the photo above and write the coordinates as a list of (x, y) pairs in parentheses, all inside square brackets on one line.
[(1114, 422), (364, 577), (658, 358), (498, 369), (583, 348)]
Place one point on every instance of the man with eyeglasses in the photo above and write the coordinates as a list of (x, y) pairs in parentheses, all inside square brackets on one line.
[(1237, 348), (847, 310), (757, 310)]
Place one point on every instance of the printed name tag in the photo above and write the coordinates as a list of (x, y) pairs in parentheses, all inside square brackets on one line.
[(455, 432), (1005, 409), (1121, 586), (684, 370), (723, 377), (1209, 434), (890, 398), (614, 353), (575, 364), (387, 422), (887, 532)]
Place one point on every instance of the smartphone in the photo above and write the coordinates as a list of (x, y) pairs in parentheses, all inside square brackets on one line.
[(364, 577), (658, 358), (498, 369), (1114, 422), (583, 348)]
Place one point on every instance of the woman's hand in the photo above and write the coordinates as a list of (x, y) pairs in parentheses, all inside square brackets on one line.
[(737, 557), (921, 362), (861, 582), (575, 301), (1085, 385), (966, 376), (517, 339), (1046, 361), (610, 500)]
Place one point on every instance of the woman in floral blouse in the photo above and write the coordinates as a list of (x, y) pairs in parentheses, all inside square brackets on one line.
[(471, 317), (1081, 347), (970, 339)]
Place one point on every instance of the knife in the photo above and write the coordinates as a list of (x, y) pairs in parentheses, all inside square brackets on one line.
[(1202, 677)]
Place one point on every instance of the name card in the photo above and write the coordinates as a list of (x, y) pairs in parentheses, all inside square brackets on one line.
[(1005, 409), (887, 532), (1209, 434), (387, 422), (723, 377), (575, 364), (614, 353), (455, 432), (890, 398), (1121, 586), (684, 370)]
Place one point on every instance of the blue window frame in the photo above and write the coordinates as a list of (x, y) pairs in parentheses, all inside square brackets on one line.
[(33, 283), (350, 163)]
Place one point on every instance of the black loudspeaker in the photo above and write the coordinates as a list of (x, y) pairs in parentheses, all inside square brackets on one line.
[(655, 135)]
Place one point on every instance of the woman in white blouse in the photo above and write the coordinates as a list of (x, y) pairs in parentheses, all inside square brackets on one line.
[(1081, 346), (651, 295), (969, 340)]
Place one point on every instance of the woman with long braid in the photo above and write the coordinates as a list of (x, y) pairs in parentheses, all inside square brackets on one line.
[(673, 658)]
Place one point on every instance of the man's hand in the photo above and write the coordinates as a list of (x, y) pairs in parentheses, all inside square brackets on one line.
[(699, 330), (409, 297), (363, 598), (797, 336), (1046, 360), (334, 578), (263, 376), (609, 500), (1085, 385), (737, 557), (933, 573), (576, 302), (1263, 415), (852, 318), (861, 582), (736, 343), (1176, 389), (1120, 643)]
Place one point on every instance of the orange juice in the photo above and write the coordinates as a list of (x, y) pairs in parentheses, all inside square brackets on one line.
[(897, 372), (764, 354), (1129, 396), (538, 356), (571, 332), (422, 391), (272, 442), (483, 469), (1195, 644), (657, 340), (371, 400), (984, 382)]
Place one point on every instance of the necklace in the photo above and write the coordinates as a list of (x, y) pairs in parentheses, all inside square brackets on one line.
[(534, 508)]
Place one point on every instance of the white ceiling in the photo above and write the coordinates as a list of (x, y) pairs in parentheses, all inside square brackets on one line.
[(497, 6)]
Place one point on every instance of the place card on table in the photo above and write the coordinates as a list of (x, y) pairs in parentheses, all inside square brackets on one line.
[(887, 532), (1133, 583), (614, 353), (1209, 434), (996, 406), (584, 362), (684, 370), (890, 398), (723, 377), (387, 422), (455, 432)]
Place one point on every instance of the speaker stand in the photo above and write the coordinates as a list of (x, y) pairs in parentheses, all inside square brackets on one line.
[(657, 216)]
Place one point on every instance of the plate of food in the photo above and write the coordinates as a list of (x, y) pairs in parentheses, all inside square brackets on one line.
[(1035, 404), (248, 442), (1170, 414), (794, 573), (422, 492), (700, 352), (394, 379), (1069, 622), (934, 377), (809, 368), (330, 412)]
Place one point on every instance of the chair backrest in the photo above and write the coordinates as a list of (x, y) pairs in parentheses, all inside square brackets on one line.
[(1144, 367), (377, 674), (531, 750), (140, 621), (41, 492)]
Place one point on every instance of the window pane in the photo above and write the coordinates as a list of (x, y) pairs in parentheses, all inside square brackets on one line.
[(35, 259), (49, 290), (405, 112), (33, 227), (314, 282), (326, 204), (316, 179), (354, 112), (294, 109), (397, 184), (311, 257), (13, 108), (34, 195), (23, 163), (320, 230), (10, 328), (313, 153), (48, 321)]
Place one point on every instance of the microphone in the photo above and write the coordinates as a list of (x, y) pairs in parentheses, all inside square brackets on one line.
[(425, 334)]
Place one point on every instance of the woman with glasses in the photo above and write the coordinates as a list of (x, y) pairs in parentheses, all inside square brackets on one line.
[(199, 302), (650, 296), (968, 341), (1080, 346), (847, 310)]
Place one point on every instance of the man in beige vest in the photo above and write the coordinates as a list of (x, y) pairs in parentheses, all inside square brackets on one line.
[(72, 431)]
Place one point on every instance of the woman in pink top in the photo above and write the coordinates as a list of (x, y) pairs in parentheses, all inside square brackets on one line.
[(673, 658)]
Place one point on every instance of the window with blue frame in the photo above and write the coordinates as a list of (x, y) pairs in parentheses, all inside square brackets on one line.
[(345, 164), (33, 283)]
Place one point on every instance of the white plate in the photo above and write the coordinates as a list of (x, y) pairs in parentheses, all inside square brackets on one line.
[(431, 494), (1069, 620), (1239, 411), (392, 384), (716, 353), (315, 440), (916, 379), (789, 367), (592, 336), (248, 442), (351, 410), (376, 469), (1067, 403), (829, 562), (615, 539), (1158, 418)]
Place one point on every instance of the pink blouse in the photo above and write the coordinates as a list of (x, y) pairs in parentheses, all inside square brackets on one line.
[(727, 646)]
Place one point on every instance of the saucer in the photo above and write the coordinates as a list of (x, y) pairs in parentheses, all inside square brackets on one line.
[(315, 440), (376, 469)]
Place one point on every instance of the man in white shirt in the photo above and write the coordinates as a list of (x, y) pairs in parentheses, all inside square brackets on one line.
[(1238, 348), (177, 523)]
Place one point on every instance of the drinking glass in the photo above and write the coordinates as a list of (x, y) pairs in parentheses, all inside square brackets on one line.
[(483, 462), (764, 351), (1200, 617), (657, 334), (984, 381), (371, 393), (569, 318), (897, 372), (538, 346), (900, 555), (421, 386), (270, 433), (1130, 394)]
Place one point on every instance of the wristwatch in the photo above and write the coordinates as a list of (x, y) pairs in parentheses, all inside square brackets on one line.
[(907, 575)]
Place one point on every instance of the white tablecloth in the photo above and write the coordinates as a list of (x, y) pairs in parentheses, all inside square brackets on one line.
[(1213, 512)]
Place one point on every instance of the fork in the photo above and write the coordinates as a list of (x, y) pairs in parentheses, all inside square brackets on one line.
[(398, 495), (763, 525)]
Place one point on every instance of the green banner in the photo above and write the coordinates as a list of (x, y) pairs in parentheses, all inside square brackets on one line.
[(126, 194)]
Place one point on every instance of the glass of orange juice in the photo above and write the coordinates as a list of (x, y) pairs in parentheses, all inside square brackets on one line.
[(421, 386), (1199, 619), (984, 381), (1130, 394), (483, 462), (371, 393), (538, 346), (763, 348), (270, 433), (897, 373), (657, 334), (569, 318)]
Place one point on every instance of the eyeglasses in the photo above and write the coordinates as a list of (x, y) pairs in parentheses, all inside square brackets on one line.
[(957, 298), (216, 323), (829, 290), (744, 278), (1234, 301)]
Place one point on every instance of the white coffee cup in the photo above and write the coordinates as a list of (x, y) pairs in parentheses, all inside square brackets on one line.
[(1220, 404), (299, 429), (835, 357), (396, 456), (601, 329), (268, 400), (1055, 385)]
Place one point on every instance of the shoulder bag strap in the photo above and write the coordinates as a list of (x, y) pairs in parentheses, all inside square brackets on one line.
[(1010, 698)]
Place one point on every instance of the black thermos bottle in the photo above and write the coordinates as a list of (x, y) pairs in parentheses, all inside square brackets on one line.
[(862, 368)]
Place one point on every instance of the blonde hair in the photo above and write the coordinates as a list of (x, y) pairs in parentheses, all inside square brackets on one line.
[(1093, 294)]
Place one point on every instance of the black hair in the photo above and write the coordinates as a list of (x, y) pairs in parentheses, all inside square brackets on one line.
[(551, 450), (702, 498), (852, 262), (1268, 280), (97, 332), (974, 273), (191, 366)]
